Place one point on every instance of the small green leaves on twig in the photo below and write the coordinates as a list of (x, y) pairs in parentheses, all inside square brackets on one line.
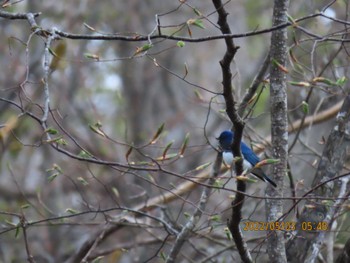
[(228, 233), (215, 218), (142, 49), (305, 107), (180, 43), (196, 22), (252, 99), (245, 179), (25, 206), (186, 71), (299, 83), (96, 128), (279, 65), (71, 211), (51, 131), (52, 177), (156, 135), (203, 166), (92, 56), (266, 162), (84, 154), (198, 95), (115, 192), (291, 19), (167, 147), (128, 154), (17, 231), (166, 157), (55, 170), (82, 181), (89, 27), (341, 81), (184, 145)]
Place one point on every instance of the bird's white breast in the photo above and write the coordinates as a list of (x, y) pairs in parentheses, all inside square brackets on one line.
[(229, 159)]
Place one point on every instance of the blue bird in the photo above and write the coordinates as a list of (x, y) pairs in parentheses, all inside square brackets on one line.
[(250, 159)]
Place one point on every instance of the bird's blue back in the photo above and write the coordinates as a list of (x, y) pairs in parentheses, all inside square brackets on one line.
[(249, 155)]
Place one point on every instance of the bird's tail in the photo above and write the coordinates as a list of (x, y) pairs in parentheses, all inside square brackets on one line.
[(261, 175)]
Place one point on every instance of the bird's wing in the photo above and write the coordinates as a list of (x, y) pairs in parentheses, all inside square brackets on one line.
[(249, 155)]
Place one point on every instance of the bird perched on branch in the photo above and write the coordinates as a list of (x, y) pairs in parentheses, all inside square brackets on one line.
[(250, 159)]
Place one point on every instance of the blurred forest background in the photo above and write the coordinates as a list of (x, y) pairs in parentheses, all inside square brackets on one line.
[(132, 126)]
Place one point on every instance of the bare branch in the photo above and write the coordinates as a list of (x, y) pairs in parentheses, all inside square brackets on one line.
[(191, 223)]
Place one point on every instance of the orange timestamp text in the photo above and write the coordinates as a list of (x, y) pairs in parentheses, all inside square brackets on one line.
[(284, 226), (264, 226)]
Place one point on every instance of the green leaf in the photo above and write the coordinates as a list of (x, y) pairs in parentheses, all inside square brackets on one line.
[(115, 192), (266, 162), (156, 135), (82, 181), (25, 206), (228, 233), (184, 145), (166, 157), (196, 22), (92, 56), (305, 107), (180, 43), (52, 177), (198, 95), (299, 84), (291, 19), (218, 183), (163, 255), (144, 48), (84, 154), (57, 168), (341, 81), (203, 166), (197, 12), (62, 141), (167, 147), (215, 218), (98, 259), (96, 128), (71, 211), (128, 153), (187, 215), (279, 65), (324, 80), (17, 231), (51, 131), (89, 27), (10, 223)]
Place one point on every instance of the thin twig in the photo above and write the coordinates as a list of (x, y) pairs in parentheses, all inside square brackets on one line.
[(191, 223)]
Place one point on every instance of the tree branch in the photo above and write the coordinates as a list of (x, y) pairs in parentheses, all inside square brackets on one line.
[(331, 164), (191, 223), (237, 204)]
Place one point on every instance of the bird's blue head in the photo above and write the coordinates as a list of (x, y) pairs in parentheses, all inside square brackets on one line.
[(225, 140)]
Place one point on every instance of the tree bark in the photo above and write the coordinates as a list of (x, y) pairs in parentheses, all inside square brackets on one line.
[(279, 128)]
